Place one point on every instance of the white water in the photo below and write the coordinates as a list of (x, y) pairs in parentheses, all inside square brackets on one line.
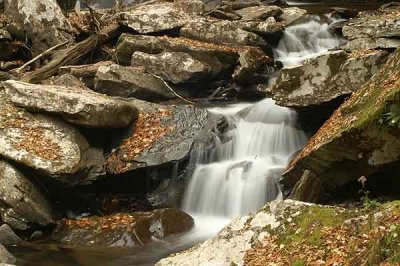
[(307, 40)]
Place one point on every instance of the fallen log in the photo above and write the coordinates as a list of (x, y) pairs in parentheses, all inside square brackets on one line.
[(72, 55)]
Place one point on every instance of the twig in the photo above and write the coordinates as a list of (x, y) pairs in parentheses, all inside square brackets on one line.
[(18, 70), (169, 87)]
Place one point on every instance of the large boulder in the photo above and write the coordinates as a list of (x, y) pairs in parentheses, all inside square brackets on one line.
[(163, 134), (326, 77), (122, 229), (116, 80), (261, 12), (358, 140), (175, 67), (155, 18), (296, 233), (42, 20), (369, 43), (21, 203), (8, 236), (292, 15), (77, 105), (377, 24), (6, 258), (44, 143)]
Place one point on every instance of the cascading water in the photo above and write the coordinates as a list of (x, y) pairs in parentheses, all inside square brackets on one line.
[(306, 40), (241, 174)]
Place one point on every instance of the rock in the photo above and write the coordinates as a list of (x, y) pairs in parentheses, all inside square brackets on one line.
[(377, 24), (116, 80), (252, 63), (287, 232), (5, 35), (7, 235), (357, 140), (122, 230), (64, 80), (239, 4), (218, 56), (51, 146), (225, 15), (77, 105), (326, 77), (154, 18), (259, 12), (344, 13), (221, 32), (21, 203), (371, 44), (291, 15), (42, 20), (163, 134), (6, 257), (190, 6), (175, 67)]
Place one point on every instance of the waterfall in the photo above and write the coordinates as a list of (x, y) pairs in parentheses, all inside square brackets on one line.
[(306, 40), (242, 173)]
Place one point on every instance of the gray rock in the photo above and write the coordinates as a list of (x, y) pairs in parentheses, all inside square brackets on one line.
[(116, 80), (21, 203), (7, 235), (163, 134), (377, 24), (261, 12), (77, 105), (221, 32), (6, 257), (155, 18), (64, 80), (219, 57), (371, 44), (175, 67), (326, 77), (44, 143), (122, 229), (42, 20), (292, 14), (190, 6), (239, 4)]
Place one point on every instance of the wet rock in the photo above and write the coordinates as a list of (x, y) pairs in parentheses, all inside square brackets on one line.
[(221, 32), (155, 18), (21, 203), (259, 12), (357, 140), (377, 24), (217, 56), (291, 15), (116, 80), (326, 77), (8, 237), (345, 13), (77, 105), (371, 44), (42, 20), (175, 67), (6, 257), (163, 134), (44, 143), (122, 230)]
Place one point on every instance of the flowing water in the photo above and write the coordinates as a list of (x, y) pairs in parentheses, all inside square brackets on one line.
[(241, 172)]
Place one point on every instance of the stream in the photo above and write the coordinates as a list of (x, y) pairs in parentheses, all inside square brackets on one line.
[(239, 175)]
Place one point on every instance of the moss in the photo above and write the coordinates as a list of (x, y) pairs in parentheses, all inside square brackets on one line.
[(299, 263)]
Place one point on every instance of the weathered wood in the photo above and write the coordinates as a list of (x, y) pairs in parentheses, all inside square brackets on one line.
[(72, 55)]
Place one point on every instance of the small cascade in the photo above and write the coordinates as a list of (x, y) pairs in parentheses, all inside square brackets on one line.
[(306, 40), (240, 174)]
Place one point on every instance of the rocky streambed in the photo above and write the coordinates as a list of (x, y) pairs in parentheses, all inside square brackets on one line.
[(105, 117)]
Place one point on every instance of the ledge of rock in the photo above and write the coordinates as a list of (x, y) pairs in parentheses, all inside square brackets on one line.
[(123, 229), (116, 80), (175, 67), (259, 12), (6, 257), (42, 20), (286, 232), (162, 134), (77, 105), (51, 146), (326, 77), (371, 43), (155, 18), (21, 203), (356, 141)]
